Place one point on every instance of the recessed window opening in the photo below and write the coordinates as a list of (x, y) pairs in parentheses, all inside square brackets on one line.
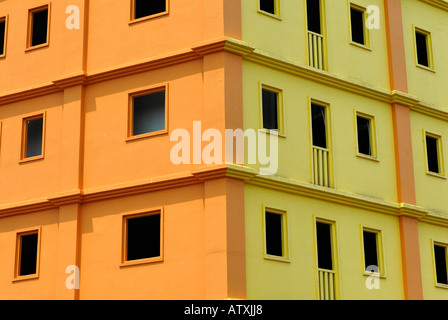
[(270, 109), (313, 16), (432, 154), (143, 237), (324, 246), (422, 49), (364, 138), (145, 8), (370, 240), (357, 25), (440, 263), (268, 6), (148, 114), (39, 27), (28, 254), (34, 137), (319, 126), (274, 234), (2, 35)]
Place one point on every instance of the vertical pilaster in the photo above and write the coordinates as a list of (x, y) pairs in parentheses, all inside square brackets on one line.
[(68, 198), (224, 239), (403, 152)]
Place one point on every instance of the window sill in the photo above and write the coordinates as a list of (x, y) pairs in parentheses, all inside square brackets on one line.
[(441, 285), (367, 157), (141, 261), (153, 16), (2, 56), (146, 135), (437, 175), (276, 258), (31, 159), (277, 17), (273, 132), (362, 46), (43, 45), (430, 69), (375, 275), (27, 277)]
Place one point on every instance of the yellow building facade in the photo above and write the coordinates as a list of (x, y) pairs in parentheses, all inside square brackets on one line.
[(349, 96)]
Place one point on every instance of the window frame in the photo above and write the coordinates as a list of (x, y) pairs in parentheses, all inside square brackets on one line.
[(429, 48), (328, 136), (124, 232), (5, 19), (379, 252), (334, 247), (440, 244), (29, 36), (18, 253), (139, 93), (373, 136), (280, 109), (23, 149), (440, 156), (366, 32), (277, 12), (285, 234), (133, 20)]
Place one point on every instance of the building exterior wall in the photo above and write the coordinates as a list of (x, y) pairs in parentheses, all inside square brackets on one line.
[(213, 58)]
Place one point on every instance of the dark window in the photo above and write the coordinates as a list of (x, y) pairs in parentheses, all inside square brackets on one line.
[(432, 154), (267, 6), (422, 49), (143, 237), (34, 135), (28, 254), (270, 109), (2, 36), (364, 139), (440, 260), (370, 249), (313, 15), (357, 21), (274, 234), (144, 8), (39, 27), (324, 246), (319, 126), (149, 113)]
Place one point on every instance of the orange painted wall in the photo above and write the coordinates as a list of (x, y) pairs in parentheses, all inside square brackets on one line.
[(63, 55), (90, 174)]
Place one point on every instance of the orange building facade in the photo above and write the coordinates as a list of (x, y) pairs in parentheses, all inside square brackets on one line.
[(93, 171), (81, 173)]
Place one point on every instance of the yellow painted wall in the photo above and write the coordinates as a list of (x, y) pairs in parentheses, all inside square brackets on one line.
[(427, 234), (297, 279), (430, 189), (428, 86), (378, 177), (369, 66), (284, 37)]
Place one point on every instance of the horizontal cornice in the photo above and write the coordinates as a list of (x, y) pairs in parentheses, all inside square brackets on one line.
[(441, 4), (230, 45), (252, 177), (431, 111), (207, 173)]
